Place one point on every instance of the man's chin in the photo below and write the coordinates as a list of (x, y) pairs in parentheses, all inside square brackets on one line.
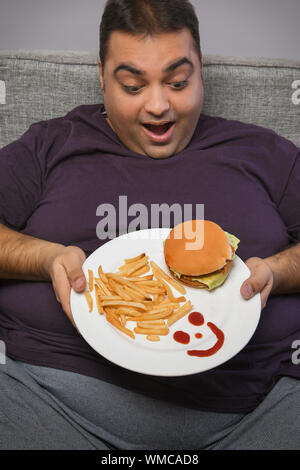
[(156, 151), (159, 154), (160, 151)]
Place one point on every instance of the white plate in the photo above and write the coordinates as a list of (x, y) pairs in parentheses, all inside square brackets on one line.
[(224, 306)]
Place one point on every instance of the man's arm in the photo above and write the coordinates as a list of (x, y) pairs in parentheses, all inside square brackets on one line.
[(32, 259), (286, 270), (25, 257), (277, 274)]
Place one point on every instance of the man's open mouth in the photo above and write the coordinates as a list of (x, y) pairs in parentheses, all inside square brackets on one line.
[(160, 132), (158, 129)]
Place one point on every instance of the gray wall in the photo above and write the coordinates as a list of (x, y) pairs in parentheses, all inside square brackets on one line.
[(265, 28)]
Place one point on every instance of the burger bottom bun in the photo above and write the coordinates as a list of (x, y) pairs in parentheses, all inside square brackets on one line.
[(199, 285)]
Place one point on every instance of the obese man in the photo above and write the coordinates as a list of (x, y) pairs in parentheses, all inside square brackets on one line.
[(150, 142)]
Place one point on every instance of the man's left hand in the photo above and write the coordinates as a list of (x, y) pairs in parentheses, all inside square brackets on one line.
[(260, 281)]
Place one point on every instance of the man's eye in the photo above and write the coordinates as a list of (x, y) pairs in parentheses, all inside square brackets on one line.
[(179, 85), (132, 89)]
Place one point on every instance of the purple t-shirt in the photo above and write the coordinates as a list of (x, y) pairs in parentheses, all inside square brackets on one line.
[(56, 175)]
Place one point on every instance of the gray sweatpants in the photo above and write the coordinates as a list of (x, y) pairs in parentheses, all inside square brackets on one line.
[(45, 408)]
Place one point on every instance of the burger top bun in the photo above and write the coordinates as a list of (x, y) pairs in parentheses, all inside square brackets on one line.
[(187, 252)]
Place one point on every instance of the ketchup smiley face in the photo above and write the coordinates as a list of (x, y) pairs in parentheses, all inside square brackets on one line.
[(197, 319)]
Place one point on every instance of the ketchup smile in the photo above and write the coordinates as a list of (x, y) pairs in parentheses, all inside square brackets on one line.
[(197, 319), (209, 352)]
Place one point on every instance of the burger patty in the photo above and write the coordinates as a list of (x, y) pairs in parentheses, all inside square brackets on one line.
[(188, 280)]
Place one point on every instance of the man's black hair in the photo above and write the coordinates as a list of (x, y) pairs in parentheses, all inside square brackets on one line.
[(148, 18)]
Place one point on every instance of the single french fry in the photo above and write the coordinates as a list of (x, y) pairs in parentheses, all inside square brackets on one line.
[(141, 270), (89, 300), (124, 302), (169, 279), (149, 283), (153, 338), (151, 325), (148, 331), (180, 313), (104, 288), (117, 277), (152, 290), (151, 322), (165, 305), (109, 297), (136, 258), (98, 300), (134, 264), (133, 267), (129, 311), (138, 279), (153, 316), (102, 275), (180, 299), (120, 327), (90, 280)]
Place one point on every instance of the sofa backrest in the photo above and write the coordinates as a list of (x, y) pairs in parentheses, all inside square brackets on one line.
[(40, 85)]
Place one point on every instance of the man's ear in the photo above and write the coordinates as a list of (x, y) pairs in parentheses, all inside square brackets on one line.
[(101, 76)]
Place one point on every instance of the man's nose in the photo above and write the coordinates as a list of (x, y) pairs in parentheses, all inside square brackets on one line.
[(157, 102)]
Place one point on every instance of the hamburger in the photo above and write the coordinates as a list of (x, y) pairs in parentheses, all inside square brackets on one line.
[(199, 253)]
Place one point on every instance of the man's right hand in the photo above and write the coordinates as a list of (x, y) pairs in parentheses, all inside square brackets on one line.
[(65, 271)]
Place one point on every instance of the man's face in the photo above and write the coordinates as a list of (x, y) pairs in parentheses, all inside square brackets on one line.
[(153, 92)]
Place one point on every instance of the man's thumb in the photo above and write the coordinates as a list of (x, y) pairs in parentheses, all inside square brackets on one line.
[(247, 290), (79, 282)]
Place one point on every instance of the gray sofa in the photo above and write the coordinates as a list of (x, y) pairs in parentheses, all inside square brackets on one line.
[(39, 85)]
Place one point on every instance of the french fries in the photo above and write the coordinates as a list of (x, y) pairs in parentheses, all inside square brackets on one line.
[(89, 300), (130, 296), (168, 278)]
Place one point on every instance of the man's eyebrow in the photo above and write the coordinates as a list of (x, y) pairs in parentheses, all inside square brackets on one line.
[(178, 63), (170, 68), (128, 68)]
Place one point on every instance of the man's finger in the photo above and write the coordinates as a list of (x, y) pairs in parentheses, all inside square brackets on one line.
[(246, 289), (260, 278), (73, 266), (62, 291)]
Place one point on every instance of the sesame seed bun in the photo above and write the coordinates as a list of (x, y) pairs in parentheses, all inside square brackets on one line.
[(197, 247)]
